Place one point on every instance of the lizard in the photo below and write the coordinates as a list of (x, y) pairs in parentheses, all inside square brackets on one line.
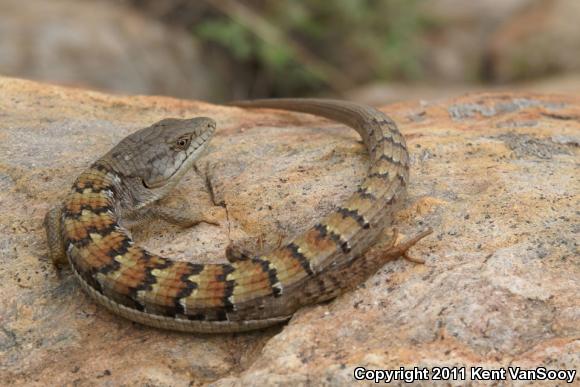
[(89, 230)]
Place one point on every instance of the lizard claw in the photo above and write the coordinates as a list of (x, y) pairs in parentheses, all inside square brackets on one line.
[(410, 258)]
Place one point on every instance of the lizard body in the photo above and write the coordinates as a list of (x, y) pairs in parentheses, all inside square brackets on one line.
[(248, 292)]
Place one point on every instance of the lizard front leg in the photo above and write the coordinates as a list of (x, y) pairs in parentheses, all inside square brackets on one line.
[(183, 217), (53, 227)]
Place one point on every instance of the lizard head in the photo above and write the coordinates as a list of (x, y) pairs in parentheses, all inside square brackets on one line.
[(158, 156)]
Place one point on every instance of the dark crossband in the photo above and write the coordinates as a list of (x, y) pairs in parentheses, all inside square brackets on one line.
[(150, 279), (272, 275), (348, 213), (379, 175), (325, 232), (229, 288), (190, 286), (390, 159), (402, 180), (95, 210), (81, 185), (102, 168), (364, 193), (196, 317), (383, 121), (391, 140), (296, 254), (83, 242), (122, 249)]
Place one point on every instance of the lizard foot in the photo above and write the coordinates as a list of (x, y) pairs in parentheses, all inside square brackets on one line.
[(401, 247)]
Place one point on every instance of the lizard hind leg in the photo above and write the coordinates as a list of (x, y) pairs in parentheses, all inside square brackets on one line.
[(249, 248), (53, 227), (401, 247), (244, 249), (236, 253)]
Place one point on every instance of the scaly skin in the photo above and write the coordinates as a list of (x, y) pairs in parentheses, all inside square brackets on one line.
[(249, 292)]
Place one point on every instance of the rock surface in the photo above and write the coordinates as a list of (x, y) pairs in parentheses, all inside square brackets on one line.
[(100, 45), (494, 174)]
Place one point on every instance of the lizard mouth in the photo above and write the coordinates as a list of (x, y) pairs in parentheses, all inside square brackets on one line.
[(165, 181)]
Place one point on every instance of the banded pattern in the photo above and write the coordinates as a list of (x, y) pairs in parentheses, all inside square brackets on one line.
[(245, 294)]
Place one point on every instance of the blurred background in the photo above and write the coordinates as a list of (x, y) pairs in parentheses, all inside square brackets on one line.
[(373, 51)]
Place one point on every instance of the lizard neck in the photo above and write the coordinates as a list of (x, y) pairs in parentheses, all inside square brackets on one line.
[(129, 192)]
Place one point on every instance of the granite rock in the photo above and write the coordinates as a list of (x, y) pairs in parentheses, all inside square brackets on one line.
[(495, 175)]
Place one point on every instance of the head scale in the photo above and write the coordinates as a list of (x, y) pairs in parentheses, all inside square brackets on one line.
[(158, 156)]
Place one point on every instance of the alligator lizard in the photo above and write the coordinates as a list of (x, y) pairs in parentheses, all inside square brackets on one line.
[(89, 230)]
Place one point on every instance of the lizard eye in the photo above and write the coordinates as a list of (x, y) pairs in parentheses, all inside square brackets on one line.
[(183, 142)]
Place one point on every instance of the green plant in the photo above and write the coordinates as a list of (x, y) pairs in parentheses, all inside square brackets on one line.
[(305, 46)]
